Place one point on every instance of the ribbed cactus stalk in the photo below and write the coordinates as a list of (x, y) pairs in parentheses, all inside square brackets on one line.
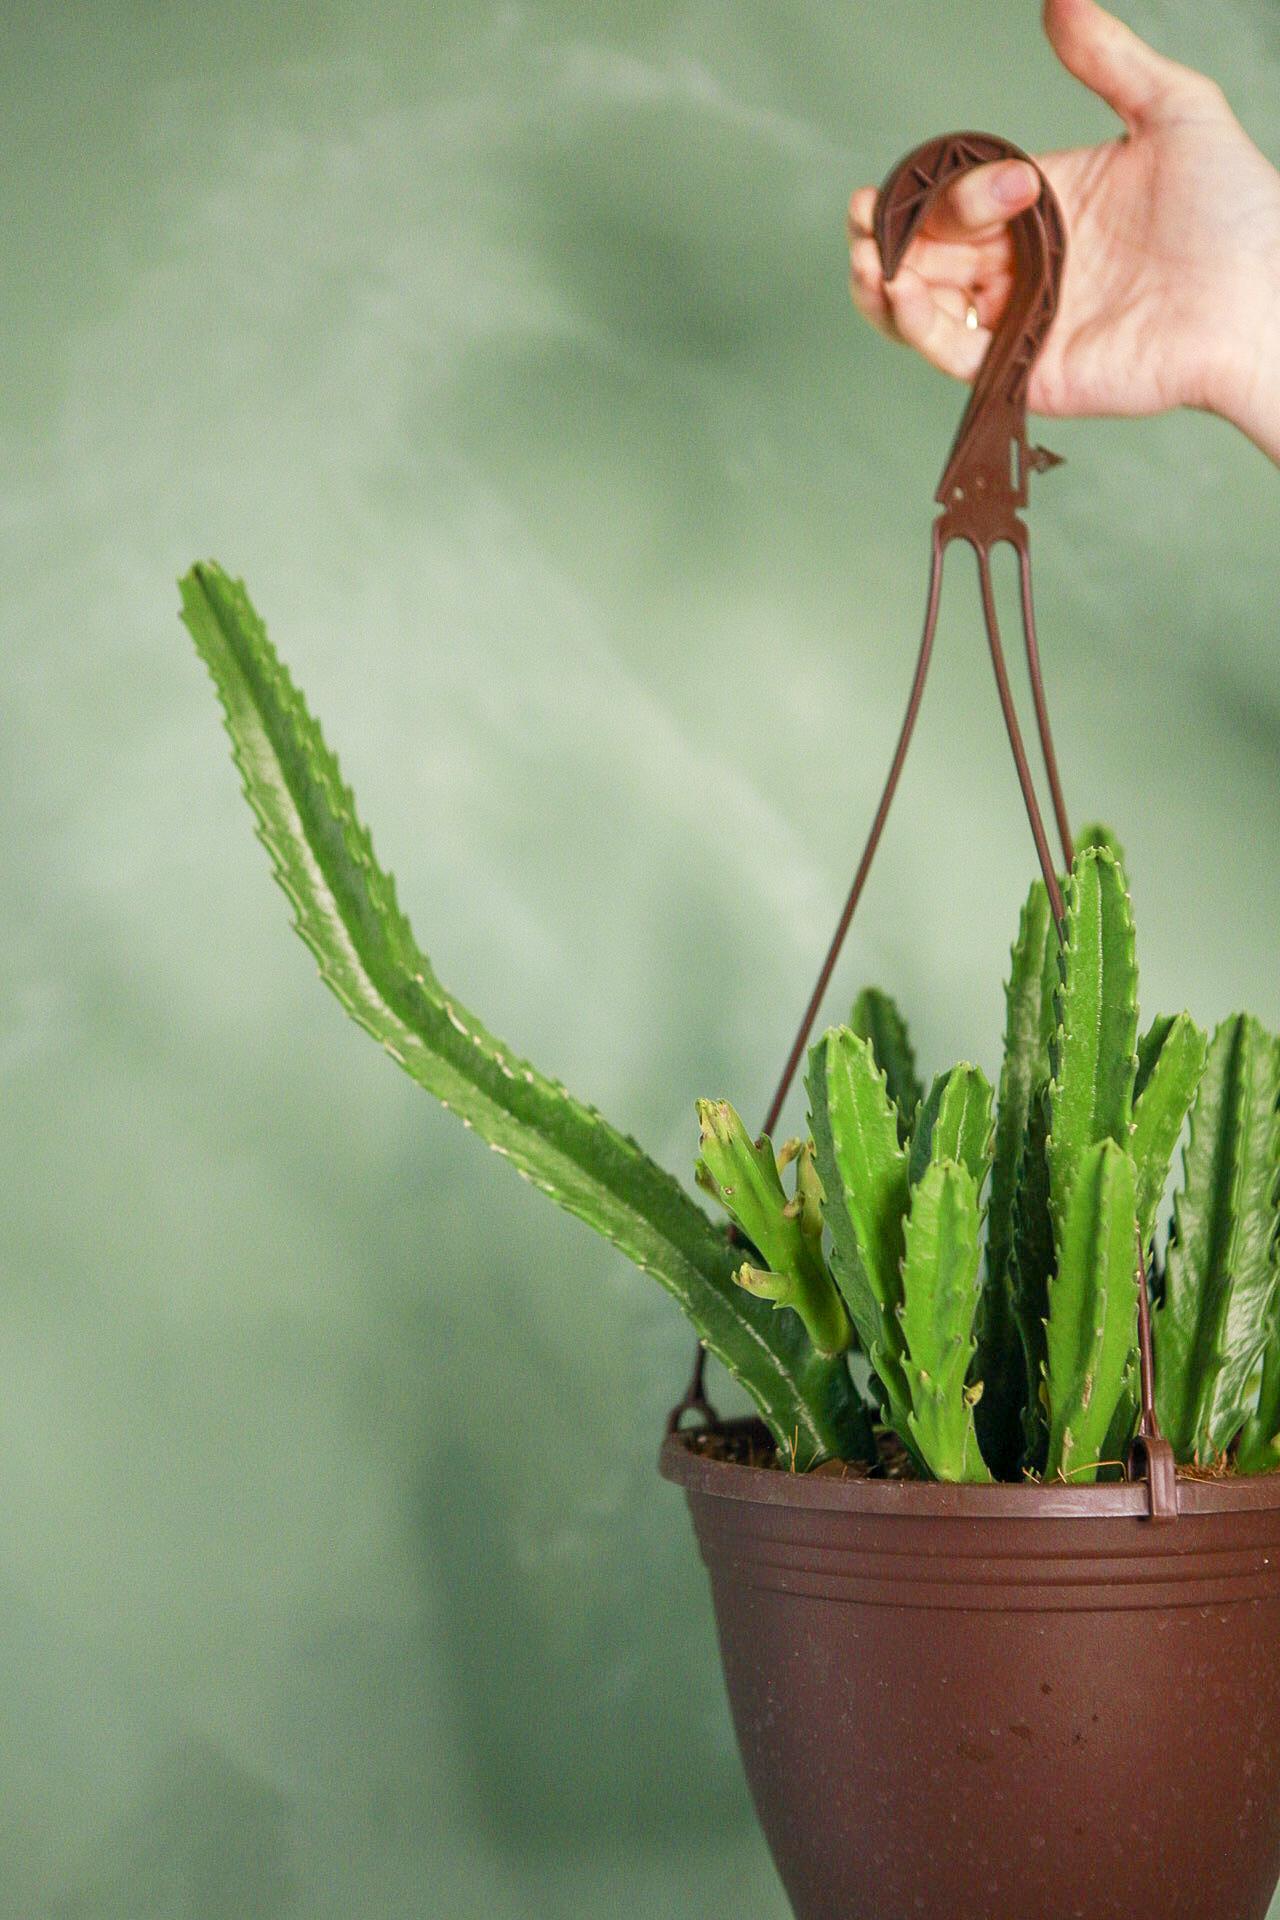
[(1213, 1325), (864, 1173), (1107, 1156), (940, 1300), (955, 1123)]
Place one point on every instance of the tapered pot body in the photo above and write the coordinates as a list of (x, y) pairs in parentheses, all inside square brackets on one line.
[(1001, 1703)]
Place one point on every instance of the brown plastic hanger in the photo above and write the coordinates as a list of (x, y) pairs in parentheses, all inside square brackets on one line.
[(982, 492)]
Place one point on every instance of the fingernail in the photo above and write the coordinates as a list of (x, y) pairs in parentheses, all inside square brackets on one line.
[(1013, 183)]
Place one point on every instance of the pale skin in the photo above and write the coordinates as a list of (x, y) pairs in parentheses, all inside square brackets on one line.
[(1171, 294)]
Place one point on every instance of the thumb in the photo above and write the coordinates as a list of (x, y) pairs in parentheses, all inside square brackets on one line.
[(1111, 60)]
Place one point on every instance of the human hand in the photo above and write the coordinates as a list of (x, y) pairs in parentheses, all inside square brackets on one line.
[(1171, 290)]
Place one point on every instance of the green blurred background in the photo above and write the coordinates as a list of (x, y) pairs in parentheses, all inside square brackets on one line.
[(506, 351)]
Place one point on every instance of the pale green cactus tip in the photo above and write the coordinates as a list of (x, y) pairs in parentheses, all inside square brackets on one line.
[(903, 1229), (717, 1122)]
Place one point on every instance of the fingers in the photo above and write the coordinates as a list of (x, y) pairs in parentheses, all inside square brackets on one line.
[(936, 261), (1108, 57), (962, 252), (972, 214), (866, 284), (862, 211), (941, 279), (932, 320)]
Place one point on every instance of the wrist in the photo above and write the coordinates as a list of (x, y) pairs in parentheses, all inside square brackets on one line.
[(1243, 383)]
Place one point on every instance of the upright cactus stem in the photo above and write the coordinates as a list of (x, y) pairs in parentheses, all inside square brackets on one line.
[(743, 1175), (955, 1123), (1093, 1310), (863, 1169), (940, 1300), (1170, 1062)]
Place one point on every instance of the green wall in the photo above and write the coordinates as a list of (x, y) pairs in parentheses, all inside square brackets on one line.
[(506, 351)]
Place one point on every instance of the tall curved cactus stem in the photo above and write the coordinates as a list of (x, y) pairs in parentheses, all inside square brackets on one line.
[(346, 911)]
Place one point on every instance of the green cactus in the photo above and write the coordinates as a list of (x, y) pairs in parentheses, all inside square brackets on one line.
[(1026, 1365), (863, 1170), (346, 911), (1212, 1326), (1091, 1336), (940, 1299), (905, 1239)]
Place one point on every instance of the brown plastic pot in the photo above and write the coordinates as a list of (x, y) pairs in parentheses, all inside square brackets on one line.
[(1001, 1703)]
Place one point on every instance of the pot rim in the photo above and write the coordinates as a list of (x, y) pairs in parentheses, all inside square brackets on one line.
[(699, 1473)]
